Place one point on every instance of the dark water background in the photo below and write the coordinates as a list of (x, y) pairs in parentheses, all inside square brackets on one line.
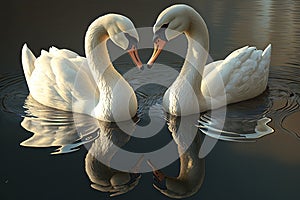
[(268, 168)]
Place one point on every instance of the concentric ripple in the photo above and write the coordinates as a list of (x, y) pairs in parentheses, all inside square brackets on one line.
[(13, 92), (248, 120)]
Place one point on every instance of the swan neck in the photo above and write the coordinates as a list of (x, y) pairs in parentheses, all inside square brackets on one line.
[(191, 166), (192, 170), (198, 48), (96, 49), (188, 145), (103, 148)]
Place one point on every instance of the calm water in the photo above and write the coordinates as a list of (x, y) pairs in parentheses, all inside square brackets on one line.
[(256, 168)]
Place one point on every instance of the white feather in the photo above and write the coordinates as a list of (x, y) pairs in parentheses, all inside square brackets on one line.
[(62, 79), (242, 75)]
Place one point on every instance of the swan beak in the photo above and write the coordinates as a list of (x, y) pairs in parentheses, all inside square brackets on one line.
[(159, 44), (135, 57), (159, 179)]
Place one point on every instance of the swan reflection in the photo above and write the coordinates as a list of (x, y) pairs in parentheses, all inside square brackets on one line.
[(69, 131), (56, 128), (97, 162), (246, 121), (104, 141), (192, 168)]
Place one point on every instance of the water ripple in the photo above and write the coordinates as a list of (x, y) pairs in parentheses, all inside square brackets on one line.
[(248, 120), (13, 93), (277, 103)]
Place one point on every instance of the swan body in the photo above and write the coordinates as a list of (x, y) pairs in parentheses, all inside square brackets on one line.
[(64, 80), (240, 76)]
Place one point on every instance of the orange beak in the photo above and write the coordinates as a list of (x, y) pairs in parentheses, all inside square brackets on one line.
[(135, 57), (156, 173), (159, 44)]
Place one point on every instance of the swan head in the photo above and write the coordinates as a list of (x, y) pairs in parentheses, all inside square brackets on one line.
[(106, 179), (171, 23), (98, 159), (122, 33), (174, 187)]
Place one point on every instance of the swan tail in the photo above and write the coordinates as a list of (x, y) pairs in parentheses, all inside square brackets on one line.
[(28, 60), (266, 58), (264, 66), (267, 53)]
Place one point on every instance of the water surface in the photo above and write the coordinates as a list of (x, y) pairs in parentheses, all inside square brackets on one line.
[(266, 167)]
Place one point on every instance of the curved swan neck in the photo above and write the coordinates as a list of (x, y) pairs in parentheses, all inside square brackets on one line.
[(96, 50), (198, 47), (191, 173), (191, 166), (192, 170)]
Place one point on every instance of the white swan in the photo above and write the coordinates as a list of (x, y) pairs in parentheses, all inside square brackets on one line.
[(244, 72), (61, 79)]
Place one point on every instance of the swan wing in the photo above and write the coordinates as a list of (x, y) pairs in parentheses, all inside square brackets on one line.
[(244, 74), (55, 77), (55, 52), (74, 83), (28, 60)]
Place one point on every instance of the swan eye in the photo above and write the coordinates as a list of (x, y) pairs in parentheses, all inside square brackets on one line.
[(161, 33), (132, 41), (165, 26)]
